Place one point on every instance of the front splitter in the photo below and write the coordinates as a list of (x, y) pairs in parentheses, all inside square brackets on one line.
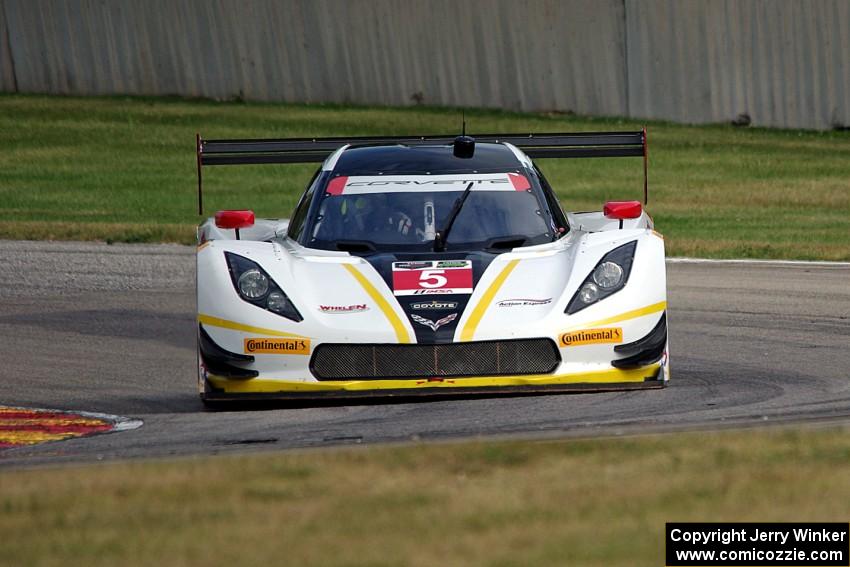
[(614, 379)]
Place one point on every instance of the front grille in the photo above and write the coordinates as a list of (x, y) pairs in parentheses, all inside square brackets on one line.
[(485, 358)]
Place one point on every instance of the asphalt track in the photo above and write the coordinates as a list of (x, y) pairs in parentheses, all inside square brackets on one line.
[(110, 328)]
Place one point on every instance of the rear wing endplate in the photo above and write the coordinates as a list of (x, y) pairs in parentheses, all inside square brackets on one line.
[(316, 150)]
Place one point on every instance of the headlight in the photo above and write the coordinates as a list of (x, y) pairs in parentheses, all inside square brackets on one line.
[(588, 293), (277, 302), (256, 287), (609, 276), (253, 284)]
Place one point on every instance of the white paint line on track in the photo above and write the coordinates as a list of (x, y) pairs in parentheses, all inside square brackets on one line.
[(119, 423), (128, 425), (759, 262)]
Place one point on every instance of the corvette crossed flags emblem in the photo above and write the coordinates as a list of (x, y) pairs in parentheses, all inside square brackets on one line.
[(434, 325)]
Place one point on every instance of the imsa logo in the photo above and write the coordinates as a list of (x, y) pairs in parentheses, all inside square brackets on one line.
[(277, 346), (592, 336)]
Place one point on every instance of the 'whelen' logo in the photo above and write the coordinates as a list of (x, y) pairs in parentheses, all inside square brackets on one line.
[(357, 308)]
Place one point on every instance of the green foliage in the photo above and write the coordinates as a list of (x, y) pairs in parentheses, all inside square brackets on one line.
[(574, 502)]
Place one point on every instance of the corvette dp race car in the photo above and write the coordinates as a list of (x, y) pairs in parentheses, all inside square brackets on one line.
[(428, 265)]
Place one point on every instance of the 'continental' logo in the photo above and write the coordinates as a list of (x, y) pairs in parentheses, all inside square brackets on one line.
[(277, 346), (592, 336)]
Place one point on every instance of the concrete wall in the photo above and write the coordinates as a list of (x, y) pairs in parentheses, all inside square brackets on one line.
[(519, 55), (7, 75), (784, 62)]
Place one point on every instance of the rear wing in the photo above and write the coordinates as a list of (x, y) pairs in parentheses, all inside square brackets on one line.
[(315, 150)]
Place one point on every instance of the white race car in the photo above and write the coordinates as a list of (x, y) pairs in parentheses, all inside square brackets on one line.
[(429, 265)]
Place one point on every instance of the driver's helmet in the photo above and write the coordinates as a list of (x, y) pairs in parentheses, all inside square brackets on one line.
[(375, 213)]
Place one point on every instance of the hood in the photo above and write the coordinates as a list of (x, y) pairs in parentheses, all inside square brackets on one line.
[(433, 290), (445, 297)]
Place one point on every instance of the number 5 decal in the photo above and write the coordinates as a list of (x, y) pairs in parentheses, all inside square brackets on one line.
[(432, 279)]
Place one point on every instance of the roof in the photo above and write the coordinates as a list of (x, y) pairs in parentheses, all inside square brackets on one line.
[(401, 159)]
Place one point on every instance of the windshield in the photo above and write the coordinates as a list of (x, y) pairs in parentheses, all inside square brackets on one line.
[(405, 212)]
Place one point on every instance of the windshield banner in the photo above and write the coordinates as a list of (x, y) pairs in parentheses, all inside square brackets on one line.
[(359, 185)]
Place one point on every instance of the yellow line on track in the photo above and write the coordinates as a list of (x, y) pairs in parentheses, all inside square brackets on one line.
[(33, 437)]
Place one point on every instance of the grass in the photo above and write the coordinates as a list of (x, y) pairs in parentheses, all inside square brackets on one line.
[(585, 502), (123, 169)]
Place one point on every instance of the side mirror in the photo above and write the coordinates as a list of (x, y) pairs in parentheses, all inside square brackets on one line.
[(622, 209), (234, 220)]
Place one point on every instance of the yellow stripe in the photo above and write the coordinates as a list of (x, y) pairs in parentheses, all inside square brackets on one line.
[(33, 437), (225, 324), (477, 313), (633, 314), (49, 422), (259, 385), (383, 304)]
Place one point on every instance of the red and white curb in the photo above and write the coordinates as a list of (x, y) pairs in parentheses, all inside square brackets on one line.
[(27, 426)]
